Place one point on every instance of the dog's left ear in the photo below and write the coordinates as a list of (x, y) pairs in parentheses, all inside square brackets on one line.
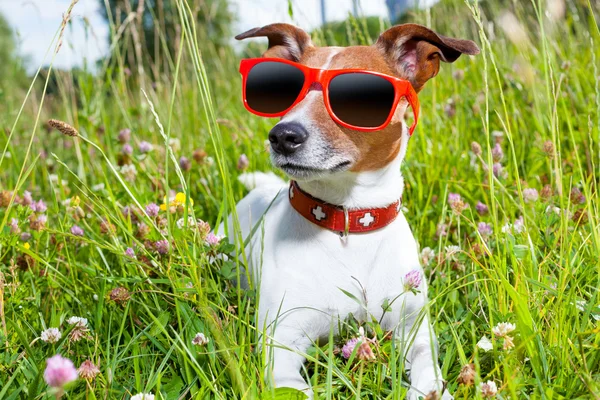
[(415, 51), (285, 40)]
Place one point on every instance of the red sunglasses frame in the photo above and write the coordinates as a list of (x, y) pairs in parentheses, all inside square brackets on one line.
[(402, 88)]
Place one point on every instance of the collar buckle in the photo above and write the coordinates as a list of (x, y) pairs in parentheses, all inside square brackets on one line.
[(344, 234)]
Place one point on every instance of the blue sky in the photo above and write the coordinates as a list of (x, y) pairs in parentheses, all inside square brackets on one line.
[(35, 23)]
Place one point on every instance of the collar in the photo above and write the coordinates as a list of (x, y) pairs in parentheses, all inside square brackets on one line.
[(339, 218)]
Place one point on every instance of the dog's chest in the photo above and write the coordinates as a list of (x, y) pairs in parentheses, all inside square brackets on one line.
[(311, 266)]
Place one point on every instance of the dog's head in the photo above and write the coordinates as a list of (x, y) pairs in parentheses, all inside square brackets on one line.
[(307, 143)]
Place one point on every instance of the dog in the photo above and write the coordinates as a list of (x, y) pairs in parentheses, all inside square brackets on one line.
[(304, 267)]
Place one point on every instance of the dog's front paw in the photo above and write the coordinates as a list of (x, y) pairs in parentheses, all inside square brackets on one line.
[(414, 394)]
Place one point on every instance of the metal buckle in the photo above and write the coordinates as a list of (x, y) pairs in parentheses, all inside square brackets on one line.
[(344, 234)]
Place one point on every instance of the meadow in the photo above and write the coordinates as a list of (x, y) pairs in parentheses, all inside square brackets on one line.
[(106, 214)]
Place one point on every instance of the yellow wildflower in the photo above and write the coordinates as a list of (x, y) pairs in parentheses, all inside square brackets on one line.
[(27, 246), (175, 202)]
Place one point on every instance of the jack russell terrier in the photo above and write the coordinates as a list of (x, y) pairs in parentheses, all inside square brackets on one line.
[(337, 226)]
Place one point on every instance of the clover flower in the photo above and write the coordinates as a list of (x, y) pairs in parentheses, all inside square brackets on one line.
[(441, 230), (364, 350), (162, 246), (467, 375), (27, 199), (38, 207), (143, 396), (59, 371), (452, 252), (129, 172), (243, 162), (14, 226), (530, 195), (79, 322), (348, 347), (488, 389), (456, 203), (145, 147), (497, 153), (51, 335), (184, 163), (129, 252), (427, 254), (119, 294), (200, 339), (213, 240), (503, 329), (88, 370), (152, 210), (124, 135), (77, 230), (481, 208), (127, 149), (412, 280), (499, 171), (485, 229)]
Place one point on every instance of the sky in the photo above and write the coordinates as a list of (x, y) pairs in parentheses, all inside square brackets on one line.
[(36, 22)]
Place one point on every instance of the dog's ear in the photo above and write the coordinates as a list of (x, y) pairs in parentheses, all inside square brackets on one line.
[(415, 51), (285, 40)]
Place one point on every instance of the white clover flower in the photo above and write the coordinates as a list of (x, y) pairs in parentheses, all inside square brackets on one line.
[(485, 344), (488, 389), (452, 251), (503, 329), (552, 209), (98, 187), (191, 222), (508, 343), (427, 254), (51, 335), (129, 172), (143, 396), (200, 339), (79, 321)]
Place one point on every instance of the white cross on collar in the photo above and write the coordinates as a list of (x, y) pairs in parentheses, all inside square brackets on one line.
[(318, 213), (366, 220)]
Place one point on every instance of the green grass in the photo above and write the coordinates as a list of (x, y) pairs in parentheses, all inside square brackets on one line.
[(538, 98)]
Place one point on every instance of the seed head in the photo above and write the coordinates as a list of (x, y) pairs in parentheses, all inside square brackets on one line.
[(63, 127)]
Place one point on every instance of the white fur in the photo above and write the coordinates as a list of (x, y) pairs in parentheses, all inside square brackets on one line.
[(252, 180), (300, 269)]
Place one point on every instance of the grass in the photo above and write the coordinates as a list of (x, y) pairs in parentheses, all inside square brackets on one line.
[(534, 93)]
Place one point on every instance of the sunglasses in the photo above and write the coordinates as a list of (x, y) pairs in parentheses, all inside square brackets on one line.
[(355, 98)]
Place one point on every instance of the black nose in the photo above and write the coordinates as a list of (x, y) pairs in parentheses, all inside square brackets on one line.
[(286, 138)]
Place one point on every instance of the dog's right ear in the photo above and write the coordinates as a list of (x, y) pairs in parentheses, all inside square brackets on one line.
[(285, 40)]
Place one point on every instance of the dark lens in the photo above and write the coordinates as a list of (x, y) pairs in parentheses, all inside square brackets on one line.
[(361, 99), (272, 87)]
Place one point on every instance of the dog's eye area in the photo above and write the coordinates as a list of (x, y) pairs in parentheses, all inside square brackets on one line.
[(272, 87), (361, 99)]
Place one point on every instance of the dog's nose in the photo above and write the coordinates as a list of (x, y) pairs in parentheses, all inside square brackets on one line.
[(287, 138)]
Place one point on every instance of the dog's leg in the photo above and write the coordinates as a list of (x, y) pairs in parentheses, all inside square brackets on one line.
[(287, 347), (422, 364)]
